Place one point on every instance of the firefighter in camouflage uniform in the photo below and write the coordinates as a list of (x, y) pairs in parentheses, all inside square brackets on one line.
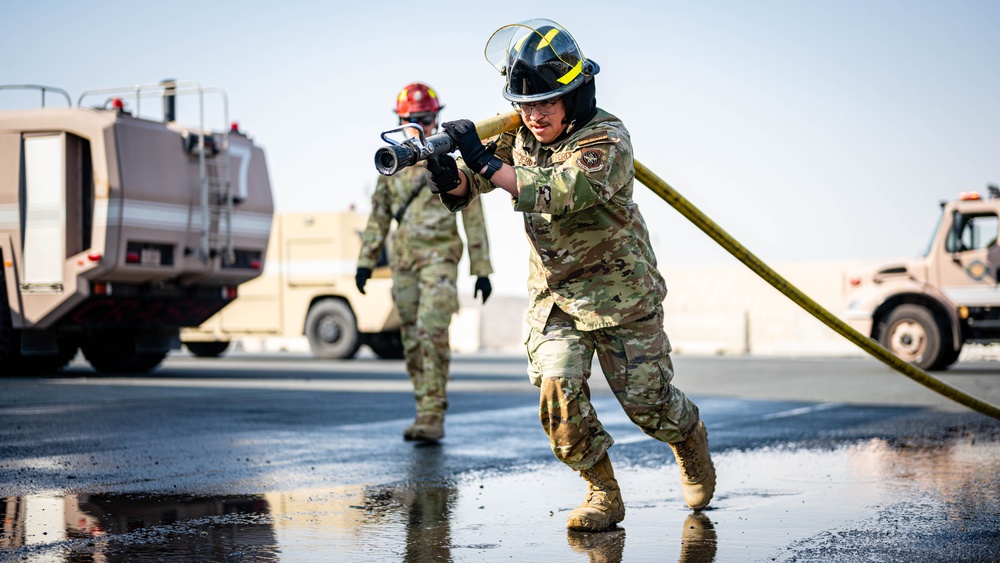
[(425, 251), (593, 285)]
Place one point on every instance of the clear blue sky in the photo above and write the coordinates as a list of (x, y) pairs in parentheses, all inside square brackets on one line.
[(808, 130)]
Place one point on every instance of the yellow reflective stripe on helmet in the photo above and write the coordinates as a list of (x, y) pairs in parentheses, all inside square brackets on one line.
[(547, 39), (573, 73), (520, 42)]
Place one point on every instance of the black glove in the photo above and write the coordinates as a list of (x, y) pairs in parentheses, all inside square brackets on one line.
[(361, 278), (442, 174), (483, 284), (463, 132)]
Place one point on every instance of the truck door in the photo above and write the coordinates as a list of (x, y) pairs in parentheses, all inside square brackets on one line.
[(970, 265), (44, 207)]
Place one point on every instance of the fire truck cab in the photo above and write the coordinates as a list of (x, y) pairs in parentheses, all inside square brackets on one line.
[(116, 230), (924, 310)]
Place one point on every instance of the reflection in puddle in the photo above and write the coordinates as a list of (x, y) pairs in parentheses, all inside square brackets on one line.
[(606, 547), (771, 504), (115, 528)]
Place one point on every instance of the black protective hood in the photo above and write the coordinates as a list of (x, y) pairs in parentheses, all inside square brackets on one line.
[(581, 107)]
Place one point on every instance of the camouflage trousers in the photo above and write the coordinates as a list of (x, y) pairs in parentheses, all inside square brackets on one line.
[(635, 359), (426, 298)]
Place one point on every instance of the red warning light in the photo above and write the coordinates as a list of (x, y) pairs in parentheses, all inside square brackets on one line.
[(234, 127), (131, 257), (967, 196), (854, 280), (118, 104)]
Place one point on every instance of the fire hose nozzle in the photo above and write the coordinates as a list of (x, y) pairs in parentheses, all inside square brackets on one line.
[(398, 155), (391, 159)]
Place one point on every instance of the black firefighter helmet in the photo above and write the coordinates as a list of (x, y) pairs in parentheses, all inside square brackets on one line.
[(539, 59)]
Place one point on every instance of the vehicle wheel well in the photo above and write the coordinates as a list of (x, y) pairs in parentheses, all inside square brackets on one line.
[(938, 311)]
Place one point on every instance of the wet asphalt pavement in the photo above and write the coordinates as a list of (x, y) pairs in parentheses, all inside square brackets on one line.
[(285, 458)]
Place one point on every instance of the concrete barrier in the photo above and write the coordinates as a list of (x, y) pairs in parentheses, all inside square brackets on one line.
[(709, 310), (716, 310)]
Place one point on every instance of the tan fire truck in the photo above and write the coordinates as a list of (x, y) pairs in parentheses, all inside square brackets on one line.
[(117, 230), (927, 308), (308, 289)]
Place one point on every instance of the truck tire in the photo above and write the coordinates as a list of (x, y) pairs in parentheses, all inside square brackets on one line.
[(912, 333), (949, 355), (386, 345), (50, 363), (11, 361), (332, 330), (207, 349), (115, 353)]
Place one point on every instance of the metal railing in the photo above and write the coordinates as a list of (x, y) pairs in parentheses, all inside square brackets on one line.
[(41, 88)]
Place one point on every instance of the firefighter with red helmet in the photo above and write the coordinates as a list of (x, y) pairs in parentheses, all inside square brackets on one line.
[(594, 286), (417, 101), (424, 256)]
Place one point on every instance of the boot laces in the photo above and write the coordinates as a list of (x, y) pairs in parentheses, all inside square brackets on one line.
[(597, 493), (688, 460)]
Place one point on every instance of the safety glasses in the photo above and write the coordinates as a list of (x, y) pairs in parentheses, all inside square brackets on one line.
[(422, 119), (546, 107)]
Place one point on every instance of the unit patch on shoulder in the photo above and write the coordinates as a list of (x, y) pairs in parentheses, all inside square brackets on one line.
[(595, 138), (590, 160)]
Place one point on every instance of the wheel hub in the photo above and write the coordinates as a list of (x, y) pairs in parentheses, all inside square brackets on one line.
[(908, 340), (329, 330)]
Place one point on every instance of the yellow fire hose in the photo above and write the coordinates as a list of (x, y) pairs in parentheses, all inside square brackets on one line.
[(510, 121)]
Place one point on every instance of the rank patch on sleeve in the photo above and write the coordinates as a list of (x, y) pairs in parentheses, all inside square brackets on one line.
[(595, 138), (590, 160)]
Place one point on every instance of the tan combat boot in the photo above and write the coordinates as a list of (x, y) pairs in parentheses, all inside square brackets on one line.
[(604, 507), (426, 428), (697, 470)]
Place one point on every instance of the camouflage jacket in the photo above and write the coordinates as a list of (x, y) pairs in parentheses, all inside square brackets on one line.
[(591, 254), (426, 233)]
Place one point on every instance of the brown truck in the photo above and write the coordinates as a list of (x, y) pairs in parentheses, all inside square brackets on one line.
[(116, 230), (925, 309), (308, 289)]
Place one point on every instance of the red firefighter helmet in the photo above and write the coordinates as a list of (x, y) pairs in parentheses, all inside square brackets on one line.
[(417, 99)]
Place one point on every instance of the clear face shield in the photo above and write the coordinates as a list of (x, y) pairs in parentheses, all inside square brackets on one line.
[(538, 58)]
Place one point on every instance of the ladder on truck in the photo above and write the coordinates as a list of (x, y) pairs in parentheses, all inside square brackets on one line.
[(212, 151), (216, 201)]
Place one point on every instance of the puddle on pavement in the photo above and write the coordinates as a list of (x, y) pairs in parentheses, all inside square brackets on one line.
[(770, 505)]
